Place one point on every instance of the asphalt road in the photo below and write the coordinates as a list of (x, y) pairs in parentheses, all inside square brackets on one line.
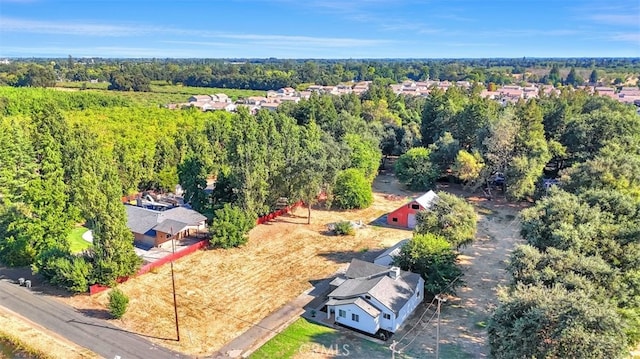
[(92, 333)]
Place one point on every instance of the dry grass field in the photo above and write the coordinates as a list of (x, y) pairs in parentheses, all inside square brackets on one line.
[(40, 339), (221, 293)]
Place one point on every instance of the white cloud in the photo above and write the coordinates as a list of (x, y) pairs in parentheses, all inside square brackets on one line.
[(617, 19), (71, 28), (107, 30), (633, 37)]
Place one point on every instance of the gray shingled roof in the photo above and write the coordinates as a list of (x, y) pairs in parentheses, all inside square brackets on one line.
[(392, 293), (141, 220), (354, 287), (170, 226), (184, 215), (361, 269), (363, 304)]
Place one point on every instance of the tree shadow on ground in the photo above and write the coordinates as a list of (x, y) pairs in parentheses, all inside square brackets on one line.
[(118, 329), (96, 313), (346, 256)]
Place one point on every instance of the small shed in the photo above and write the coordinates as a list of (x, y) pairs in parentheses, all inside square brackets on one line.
[(405, 216), (386, 257)]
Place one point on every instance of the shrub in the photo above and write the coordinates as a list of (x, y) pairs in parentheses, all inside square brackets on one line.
[(230, 226), (344, 228), (118, 303), (352, 190), (65, 270)]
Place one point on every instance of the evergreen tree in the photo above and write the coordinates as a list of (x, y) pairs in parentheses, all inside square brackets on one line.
[(113, 256)]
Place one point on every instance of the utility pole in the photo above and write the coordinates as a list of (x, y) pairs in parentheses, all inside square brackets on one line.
[(173, 284), (440, 299)]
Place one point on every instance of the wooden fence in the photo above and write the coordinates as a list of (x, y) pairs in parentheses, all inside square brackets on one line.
[(273, 215), (97, 288)]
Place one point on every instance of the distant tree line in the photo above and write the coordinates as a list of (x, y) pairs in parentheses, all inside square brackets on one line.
[(271, 74)]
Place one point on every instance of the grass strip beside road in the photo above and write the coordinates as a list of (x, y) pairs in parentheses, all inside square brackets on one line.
[(294, 340)]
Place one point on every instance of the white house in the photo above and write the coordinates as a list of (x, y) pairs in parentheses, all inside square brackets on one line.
[(386, 258), (374, 299)]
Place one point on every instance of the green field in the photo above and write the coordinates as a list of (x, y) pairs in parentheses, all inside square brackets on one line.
[(161, 93), (75, 240)]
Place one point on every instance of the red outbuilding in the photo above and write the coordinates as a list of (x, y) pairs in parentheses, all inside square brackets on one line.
[(405, 216)]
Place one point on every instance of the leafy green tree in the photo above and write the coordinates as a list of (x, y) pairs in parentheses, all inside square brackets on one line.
[(444, 152), (365, 155), (531, 152), (352, 190), (450, 217), (230, 226), (416, 170), (432, 257), (539, 322), (573, 78), (113, 253), (468, 167), (594, 77), (500, 143), (37, 76), (248, 157), (192, 173), (118, 303)]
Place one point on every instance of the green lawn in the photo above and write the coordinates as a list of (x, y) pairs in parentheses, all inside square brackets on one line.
[(304, 338), (75, 239), (292, 340)]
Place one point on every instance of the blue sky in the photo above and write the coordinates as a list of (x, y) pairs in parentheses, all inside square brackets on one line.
[(320, 28)]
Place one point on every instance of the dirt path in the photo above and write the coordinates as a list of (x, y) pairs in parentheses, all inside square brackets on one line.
[(463, 320)]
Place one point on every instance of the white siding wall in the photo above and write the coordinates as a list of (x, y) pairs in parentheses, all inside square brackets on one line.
[(386, 324), (411, 305), (366, 323)]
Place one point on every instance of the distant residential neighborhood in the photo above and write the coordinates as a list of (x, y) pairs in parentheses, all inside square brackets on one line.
[(503, 94)]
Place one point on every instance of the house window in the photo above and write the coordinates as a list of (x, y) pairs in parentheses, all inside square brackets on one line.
[(386, 316), (394, 219), (355, 317), (415, 206), (342, 313)]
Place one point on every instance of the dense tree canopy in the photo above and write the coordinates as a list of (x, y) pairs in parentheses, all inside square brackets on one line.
[(450, 217), (432, 257)]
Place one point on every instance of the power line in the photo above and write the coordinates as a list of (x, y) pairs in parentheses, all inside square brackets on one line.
[(418, 334), (418, 321)]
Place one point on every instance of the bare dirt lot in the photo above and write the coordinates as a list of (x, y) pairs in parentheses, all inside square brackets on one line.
[(221, 293), (463, 318)]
